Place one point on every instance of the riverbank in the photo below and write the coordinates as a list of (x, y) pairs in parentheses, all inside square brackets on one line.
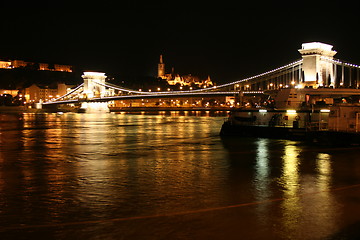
[(23, 109), (19, 109), (159, 109)]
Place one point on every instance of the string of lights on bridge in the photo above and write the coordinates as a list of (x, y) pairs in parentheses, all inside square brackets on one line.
[(204, 92), (172, 94), (69, 93), (184, 92), (175, 92), (338, 62), (293, 64)]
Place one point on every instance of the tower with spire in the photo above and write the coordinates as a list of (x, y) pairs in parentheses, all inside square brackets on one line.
[(161, 68), (185, 80)]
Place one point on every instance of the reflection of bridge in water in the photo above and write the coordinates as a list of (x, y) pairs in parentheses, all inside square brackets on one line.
[(317, 69)]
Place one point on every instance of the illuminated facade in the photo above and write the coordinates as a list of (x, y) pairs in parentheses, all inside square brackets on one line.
[(5, 64), (37, 93), (94, 87), (62, 68), (94, 84), (161, 68), (18, 63), (11, 92), (186, 80), (317, 72), (11, 64), (44, 66)]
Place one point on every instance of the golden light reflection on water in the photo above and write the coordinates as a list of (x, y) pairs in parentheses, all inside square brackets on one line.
[(289, 181), (116, 165), (154, 156), (307, 198), (290, 170), (324, 169), (322, 210), (303, 182)]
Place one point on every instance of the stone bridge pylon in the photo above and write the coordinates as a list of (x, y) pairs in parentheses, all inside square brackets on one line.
[(94, 87)]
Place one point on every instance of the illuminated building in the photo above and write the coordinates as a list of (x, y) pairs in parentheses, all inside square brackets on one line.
[(11, 92), (44, 66), (62, 68), (161, 68), (11, 64), (38, 93), (18, 63), (5, 64), (186, 80)]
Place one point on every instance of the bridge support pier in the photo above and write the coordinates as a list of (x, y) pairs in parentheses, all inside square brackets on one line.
[(38, 105), (94, 107), (317, 72)]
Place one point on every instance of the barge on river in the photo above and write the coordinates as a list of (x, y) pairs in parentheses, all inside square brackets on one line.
[(325, 116)]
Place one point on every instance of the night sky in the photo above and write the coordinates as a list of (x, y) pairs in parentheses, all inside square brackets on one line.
[(227, 40)]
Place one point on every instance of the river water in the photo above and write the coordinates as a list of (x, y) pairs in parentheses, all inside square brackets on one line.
[(169, 176)]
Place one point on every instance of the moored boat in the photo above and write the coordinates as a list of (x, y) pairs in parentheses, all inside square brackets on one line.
[(322, 116)]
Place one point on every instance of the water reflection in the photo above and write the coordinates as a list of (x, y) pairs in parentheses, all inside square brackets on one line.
[(262, 178), (289, 182), (306, 196), (83, 167), (262, 168), (302, 179), (324, 169), (325, 209), (130, 164)]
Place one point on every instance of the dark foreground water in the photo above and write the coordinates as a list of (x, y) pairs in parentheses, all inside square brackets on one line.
[(123, 176)]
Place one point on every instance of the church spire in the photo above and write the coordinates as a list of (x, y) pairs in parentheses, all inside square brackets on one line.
[(161, 68)]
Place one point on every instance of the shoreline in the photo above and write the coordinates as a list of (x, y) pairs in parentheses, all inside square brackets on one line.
[(23, 109), (19, 109)]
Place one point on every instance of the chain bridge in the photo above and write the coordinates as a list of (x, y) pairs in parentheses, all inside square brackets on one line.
[(316, 69)]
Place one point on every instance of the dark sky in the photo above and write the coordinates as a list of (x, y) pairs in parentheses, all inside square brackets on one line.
[(227, 40)]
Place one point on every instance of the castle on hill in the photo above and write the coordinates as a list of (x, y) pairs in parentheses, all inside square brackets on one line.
[(11, 64), (186, 80)]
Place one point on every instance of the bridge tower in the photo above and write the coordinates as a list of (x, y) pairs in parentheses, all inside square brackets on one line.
[(94, 87), (161, 68), (91, 88), (317, 71)]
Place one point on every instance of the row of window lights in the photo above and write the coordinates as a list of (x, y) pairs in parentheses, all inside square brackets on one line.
[(159, 89), (291, 111), (270, 85)]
